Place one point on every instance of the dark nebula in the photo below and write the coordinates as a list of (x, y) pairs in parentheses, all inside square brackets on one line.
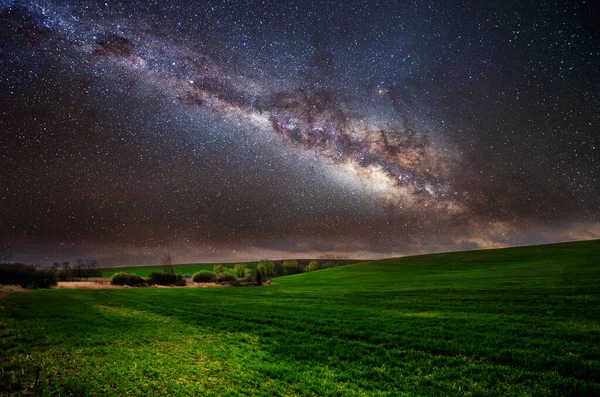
[(113, 45), (224, 131)]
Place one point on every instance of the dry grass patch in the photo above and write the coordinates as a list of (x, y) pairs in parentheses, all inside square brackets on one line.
[(85, 285), (7, 290), (105, 284)]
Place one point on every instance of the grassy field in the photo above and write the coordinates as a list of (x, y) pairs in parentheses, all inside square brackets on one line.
[(521, 321)]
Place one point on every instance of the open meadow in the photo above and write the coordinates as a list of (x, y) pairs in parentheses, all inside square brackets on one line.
[(517, 321)]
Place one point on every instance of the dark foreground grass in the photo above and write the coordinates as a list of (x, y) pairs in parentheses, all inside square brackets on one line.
[(522, 321)]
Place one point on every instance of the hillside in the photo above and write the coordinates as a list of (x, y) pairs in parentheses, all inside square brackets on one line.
[(552, 265)]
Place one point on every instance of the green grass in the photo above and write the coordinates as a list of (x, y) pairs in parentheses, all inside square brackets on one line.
[(190, 268), (519, 321)]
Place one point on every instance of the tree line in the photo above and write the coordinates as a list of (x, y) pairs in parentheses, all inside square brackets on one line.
[(35, 276)]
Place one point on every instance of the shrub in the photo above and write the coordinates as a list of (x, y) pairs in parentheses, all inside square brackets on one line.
[(187, 276), (203, 276), (224, 277), (240, 270), (180, 281), (162, 278), (312, 266), (27, 276), (119, 279), (135, 280), (132, 279), (218, 268)]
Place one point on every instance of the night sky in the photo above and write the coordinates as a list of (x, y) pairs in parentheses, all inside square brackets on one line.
[(240, 130)]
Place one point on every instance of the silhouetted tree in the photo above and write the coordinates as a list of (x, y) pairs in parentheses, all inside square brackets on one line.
[(167, 262), (54, 270), (78, 268), (65, 273), (92, 270)]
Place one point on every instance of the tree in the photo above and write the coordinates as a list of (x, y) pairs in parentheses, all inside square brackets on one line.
[(266, 268), (218, 268), (91, 268), (66, 273), (279, 270), (78, 269), (291, 266), (167, 262), (54, 270), (240, 270)]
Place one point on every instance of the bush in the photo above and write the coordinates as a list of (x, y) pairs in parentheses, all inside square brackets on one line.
[(312, 266), (203, 276), (133, 280), (180, 281), (119, 279), (218, 268), (27, 276), (162, 278), (187, 276), (225, 277)]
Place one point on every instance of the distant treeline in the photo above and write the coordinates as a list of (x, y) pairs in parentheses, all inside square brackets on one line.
[(33, 276), (27, 276), (81, 270), (239, 275), (294, 266)]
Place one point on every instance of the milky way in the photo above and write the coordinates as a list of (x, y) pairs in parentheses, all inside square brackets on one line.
[(238, 131)]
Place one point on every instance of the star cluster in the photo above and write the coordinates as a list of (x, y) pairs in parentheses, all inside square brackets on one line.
[(243, 130)]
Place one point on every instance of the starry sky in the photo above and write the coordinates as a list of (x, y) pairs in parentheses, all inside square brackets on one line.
[(241, 130)]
